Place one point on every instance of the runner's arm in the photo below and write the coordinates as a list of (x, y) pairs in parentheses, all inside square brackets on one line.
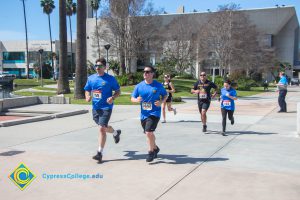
[(116, 94), (173, 89), (88, 96)]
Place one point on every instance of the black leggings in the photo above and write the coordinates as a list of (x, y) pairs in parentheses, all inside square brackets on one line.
[(224, 114)]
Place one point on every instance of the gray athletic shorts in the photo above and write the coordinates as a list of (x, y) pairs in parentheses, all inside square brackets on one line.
[(101, 117)]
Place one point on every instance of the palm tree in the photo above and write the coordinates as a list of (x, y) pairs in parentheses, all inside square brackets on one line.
[(71, 10), (48, 6), (81, 62), (95, 4), (27, 52), (63, 82)]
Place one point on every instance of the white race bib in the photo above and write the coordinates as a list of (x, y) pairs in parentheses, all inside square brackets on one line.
[(147, 106), (203, 95), (97, 94), (226, 103)]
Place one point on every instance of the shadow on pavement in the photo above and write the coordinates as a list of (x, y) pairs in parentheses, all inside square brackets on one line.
[(167, 158), (11, 153), (180, 121), (240, 133)]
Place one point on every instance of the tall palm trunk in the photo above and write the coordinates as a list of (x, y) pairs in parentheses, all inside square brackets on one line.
[(49, 22), (97, 34), (81, 62), (71, 44), (63, 82), (27, 52)]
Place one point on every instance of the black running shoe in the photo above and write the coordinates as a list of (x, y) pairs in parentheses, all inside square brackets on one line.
[(150, 157), (232, 120), (224, 134), (156, 151), (204, 130), (117, 137), (98, 156)]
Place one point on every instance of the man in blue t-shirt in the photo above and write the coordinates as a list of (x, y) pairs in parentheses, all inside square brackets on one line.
[(228, 96), (99, 88), (150, 94), (282, 89)]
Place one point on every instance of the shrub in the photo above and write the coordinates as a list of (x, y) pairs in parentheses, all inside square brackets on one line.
[(177, 99), (245, 84), (122, 80)]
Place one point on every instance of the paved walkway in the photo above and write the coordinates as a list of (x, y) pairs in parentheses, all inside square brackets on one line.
[(260, 159)]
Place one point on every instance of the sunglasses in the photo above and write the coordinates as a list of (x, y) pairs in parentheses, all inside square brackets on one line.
[(147, 72), (202, 74), (99, 66)]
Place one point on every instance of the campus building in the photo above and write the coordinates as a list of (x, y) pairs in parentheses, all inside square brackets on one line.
[(13, 56), (278, 28)]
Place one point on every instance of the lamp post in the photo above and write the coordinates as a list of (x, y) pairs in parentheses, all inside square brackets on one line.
[(107, 46), (41, 52)]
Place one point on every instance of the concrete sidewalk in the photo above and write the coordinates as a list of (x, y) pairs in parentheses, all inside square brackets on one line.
[(260, 159)]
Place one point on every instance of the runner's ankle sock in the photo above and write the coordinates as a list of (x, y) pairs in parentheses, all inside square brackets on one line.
[(100, 150)]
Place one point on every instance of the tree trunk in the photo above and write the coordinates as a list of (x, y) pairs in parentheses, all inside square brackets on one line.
[(97, 35), (27, 52), (71, 45), (63, 82), (81, 71), (52, 68)]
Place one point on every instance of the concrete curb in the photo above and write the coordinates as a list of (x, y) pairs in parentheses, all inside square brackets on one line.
[(70, 113), (32, 116), (23, 121)]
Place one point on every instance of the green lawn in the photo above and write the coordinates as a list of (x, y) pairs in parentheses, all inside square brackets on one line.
[(182, 86), (29, 83)]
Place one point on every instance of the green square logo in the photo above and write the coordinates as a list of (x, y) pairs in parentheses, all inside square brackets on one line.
[(22, 176)]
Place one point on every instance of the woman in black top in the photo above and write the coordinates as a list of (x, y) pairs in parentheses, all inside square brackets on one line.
[(170, 89)]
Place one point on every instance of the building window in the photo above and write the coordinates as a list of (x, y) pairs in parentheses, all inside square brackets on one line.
[(13, 57)]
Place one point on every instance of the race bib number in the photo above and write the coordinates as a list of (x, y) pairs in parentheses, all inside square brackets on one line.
[(147, 106), (203, 95), (226, 103), (97, 94)]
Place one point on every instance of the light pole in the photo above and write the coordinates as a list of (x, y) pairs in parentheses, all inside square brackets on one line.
[(41, 52), (107, 46)]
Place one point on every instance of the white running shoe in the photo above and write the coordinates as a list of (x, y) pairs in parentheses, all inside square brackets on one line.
[(175, 111)]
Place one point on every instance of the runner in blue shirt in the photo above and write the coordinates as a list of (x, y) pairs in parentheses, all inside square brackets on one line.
[(228, 96), (151, 95), (99, 88), (282, 89)]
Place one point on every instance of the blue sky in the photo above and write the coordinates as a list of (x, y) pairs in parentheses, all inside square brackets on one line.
[(12, 22)]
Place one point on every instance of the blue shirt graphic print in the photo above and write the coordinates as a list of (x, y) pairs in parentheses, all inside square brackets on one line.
[(101, 88), (149, 93), (227, 103)]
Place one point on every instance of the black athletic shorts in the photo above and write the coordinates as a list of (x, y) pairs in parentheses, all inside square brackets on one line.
[(169, 99), (203, 105), (149, 124), (101, 117)]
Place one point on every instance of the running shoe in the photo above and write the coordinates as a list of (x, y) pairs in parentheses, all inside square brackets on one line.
[(175, 111), (164, 121), (224, 134), (204, 130), (117, 137), (156, 151), (150, 157), (98, 156), (232, 120)]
